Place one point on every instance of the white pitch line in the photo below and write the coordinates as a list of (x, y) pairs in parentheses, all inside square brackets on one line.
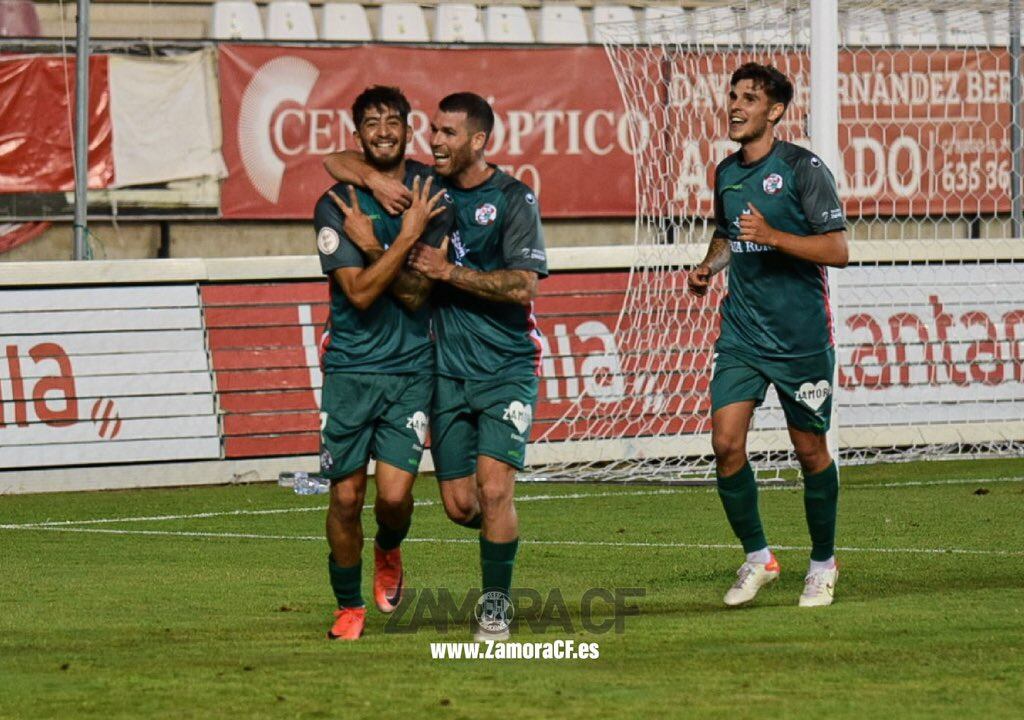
[(573, 543), (314, 508), (524, 498)]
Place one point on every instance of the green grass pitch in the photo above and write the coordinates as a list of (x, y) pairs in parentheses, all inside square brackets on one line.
[(185, 617)]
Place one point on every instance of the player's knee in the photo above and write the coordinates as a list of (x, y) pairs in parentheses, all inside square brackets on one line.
[(461, 510), (812, 453), (496, 497), (346, 501), (729, 449), (392, 504)]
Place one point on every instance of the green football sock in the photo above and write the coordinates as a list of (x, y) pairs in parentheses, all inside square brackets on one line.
[(739, 497), (821, 500), (346, 583), (390, 538), (496, 562)]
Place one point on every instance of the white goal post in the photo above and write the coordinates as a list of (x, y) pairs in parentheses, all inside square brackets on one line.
[(929, 317)]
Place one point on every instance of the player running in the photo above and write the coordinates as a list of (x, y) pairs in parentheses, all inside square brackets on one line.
[(778, 224), (377, 357), (487, 343)]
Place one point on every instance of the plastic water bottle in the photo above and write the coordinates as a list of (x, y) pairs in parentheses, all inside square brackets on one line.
[(286, 479), (306, 485)]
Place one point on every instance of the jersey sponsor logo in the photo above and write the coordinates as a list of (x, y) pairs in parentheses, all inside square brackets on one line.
[(833, 214), (519, 415), (738, 186), (534, 254), (460, 250), (486, 214), (814, 395), (418, 424), (531, 199), (327, 240), (772, 183)]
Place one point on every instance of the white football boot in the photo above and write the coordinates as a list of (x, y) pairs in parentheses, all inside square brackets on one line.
[(751, 577)]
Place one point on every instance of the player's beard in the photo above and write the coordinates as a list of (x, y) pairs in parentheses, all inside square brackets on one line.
[(385, 163), (460, 158)]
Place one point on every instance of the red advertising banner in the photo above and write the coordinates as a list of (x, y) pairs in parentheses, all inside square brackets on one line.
[(37, 100), (561, 126), (921, 132)]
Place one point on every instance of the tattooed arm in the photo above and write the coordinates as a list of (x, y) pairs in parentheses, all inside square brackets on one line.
[(714, 262), (509, 286)]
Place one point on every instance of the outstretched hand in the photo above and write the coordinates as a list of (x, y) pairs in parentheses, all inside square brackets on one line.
[(358, 225), (423, 209)]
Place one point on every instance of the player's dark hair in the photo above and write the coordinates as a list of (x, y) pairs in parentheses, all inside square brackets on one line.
[(776, 86), (380, 96), (478, 111)]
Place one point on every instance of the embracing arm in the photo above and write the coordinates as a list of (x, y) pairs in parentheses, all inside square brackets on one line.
[(511, 286), (351, 167)]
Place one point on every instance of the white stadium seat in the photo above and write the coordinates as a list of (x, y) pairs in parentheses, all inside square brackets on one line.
[(402, 22), (966, 28), (458, 22), (666, 25), (237, 20), (917, 27), (620, 19), (345, 21), (716, 26), (290, 20), (507, 24), (562, 24), (864, 27)]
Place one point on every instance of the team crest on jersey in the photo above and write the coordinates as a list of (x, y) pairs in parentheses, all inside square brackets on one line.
[(772, 183), (418, 424), (486, 214), (815, 162), (327, 240), (531, 199)]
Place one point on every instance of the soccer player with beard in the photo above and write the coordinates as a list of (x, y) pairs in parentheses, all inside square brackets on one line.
[(487, 343), (778, 224), (377, 356)]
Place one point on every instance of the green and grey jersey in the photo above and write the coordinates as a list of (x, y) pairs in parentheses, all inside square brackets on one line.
[(387, 337), (498, 228), (777, 305)]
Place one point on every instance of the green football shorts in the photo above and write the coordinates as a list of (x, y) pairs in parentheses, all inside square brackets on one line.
[(804, 385), (379, 416), (480, 417)]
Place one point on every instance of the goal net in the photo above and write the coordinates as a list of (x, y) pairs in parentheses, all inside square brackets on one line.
[(929, 317)]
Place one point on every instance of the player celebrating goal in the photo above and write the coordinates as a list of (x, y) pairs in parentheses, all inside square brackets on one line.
[(778, 223), (378, 359)]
